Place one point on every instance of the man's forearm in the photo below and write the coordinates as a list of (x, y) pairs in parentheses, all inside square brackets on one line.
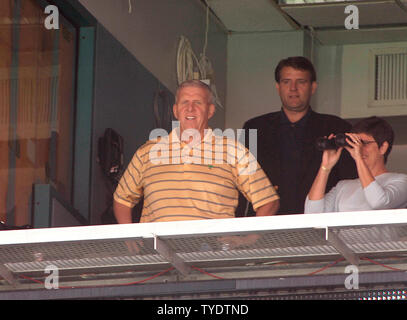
[(268, 209), (122, 213)]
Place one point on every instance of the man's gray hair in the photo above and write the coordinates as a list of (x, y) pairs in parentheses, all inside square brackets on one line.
[(196, 84)]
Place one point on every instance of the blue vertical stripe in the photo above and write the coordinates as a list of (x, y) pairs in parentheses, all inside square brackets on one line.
[(83, 121)]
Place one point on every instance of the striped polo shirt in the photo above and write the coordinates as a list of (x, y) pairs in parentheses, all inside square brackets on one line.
[(181, 181)]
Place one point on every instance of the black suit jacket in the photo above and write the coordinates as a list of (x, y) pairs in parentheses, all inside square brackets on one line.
[(268, 156)]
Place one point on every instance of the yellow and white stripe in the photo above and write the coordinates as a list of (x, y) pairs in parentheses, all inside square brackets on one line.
[(184, 182)]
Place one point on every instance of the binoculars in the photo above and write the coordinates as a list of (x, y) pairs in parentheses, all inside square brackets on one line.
[(338, 141)]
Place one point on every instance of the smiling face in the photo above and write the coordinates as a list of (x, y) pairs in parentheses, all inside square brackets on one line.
[(193, 109), (295, 89), (372, 154)]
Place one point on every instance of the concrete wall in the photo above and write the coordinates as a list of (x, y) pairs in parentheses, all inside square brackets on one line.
[(124, 95), (397, 159), (358, 81), (252, 59), (328, 64), (151, 34)]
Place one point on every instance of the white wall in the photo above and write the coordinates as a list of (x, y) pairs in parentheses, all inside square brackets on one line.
[(356, 81), (151, 33), (328, 64), (252, 59), (397, 161), (344, 81)]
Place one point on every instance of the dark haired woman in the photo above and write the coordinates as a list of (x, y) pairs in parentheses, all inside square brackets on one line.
[(370, 143)]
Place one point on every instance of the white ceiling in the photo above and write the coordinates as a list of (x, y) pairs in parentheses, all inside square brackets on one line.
[(371, 13), (379, 20), (251, 15)]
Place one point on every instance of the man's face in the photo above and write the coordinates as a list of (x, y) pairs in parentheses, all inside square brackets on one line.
[(295, 89), (193, 109)]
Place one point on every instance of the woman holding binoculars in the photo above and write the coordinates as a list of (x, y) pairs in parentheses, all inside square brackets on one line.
[(369, 143)]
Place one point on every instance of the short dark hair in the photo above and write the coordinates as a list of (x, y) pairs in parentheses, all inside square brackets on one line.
[(379, 129), (299, 63)]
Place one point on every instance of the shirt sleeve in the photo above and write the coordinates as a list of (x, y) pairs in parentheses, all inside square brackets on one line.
[(392, 195), (129, 189), (326, 204), (253, 182), (314, 206)]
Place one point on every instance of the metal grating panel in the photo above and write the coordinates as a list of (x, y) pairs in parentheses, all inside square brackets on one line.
[(376, 239), (242, 248), (296, 243), (77, 255), (71, 264), (73, 250)]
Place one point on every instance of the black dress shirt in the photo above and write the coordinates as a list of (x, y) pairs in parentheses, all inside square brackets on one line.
[(292, 145)]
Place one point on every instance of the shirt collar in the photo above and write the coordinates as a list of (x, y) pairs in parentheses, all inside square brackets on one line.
[(174, 137), (300, 123)]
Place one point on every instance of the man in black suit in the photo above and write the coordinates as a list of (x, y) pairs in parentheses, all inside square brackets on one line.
[(286, 139)]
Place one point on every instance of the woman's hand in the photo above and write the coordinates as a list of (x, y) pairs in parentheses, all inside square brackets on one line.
[(365, 174), (329, 159), (330, 156), (355, 144)]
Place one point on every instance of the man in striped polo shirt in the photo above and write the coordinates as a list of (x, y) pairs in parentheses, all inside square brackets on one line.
[(191, 173)]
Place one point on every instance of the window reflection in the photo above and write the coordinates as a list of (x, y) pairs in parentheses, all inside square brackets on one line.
[(36, 111)]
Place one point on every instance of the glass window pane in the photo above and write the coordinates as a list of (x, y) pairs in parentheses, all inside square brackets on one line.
[(37, 81), (5, 66)]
